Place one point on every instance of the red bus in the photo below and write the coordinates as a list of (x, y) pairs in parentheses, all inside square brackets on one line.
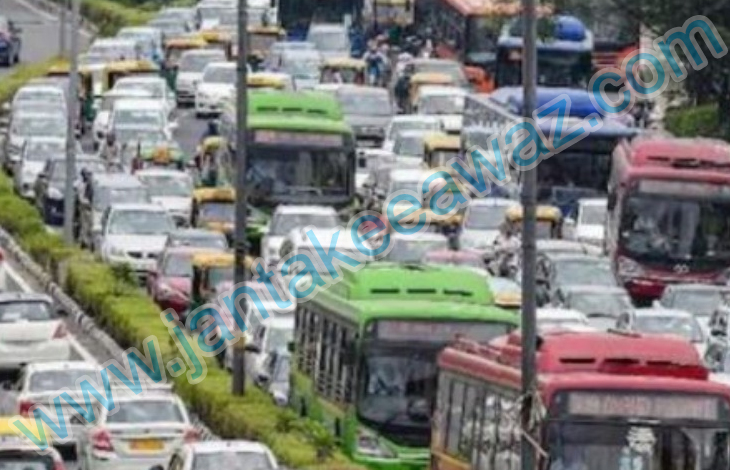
[(669, 213), (602, 398)]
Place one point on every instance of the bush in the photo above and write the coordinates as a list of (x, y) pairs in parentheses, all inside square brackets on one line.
[(696, 121), (110, 16)]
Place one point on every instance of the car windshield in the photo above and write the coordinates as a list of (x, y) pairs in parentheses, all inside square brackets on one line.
[(198, 62), (328, 40), (225, 75), (232, 460), (39, 96), (178, 265), (26, 311), (59, 168), (140, 222), (412, 125), (134, 134), (700, 302), (110, 196), (42, 151), (114, 51), (177, 185), (413, 251), (368, 104), (583, 271), (684, 326), (485, 217), (139, 117), (283, 224), (409, 145), (443, 104), (279, 338), (39, 126), (53, 380), (223, 211), (599, 303), (155, 88), (146, 411), (305, 66), (86, 60), (592, 215), (213, 240)]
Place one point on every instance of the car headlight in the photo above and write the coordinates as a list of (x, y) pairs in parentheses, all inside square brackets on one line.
[(54, 193), (115, 251), (369, 444), (629, 268)]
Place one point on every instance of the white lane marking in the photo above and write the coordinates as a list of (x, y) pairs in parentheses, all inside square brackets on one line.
[(25, 287), (48, 16)]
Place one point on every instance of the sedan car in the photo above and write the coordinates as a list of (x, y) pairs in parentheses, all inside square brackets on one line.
[(483, 219), (368, 110), (143, 432), (699, 299), (409, 122), (171, 189), (590, 221), (447, 103), (135, 234), (25, 126), (222, 455), (218, 82), (10, 42), (33, 157), (560, 270), (19, 453), (413, 248), (32, 330), (602, 305), (170, 281), (664, 321), (190, 70)]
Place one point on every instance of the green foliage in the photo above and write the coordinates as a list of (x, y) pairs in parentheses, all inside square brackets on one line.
[(110, 16), (696, 121)]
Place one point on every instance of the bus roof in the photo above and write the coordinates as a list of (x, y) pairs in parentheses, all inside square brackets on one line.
[(298, 123), (310, 104), (671, 152), (391, 281), (364, 311)]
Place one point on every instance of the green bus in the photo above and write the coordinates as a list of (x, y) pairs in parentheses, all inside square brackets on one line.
[(365, 354), (300, 150)]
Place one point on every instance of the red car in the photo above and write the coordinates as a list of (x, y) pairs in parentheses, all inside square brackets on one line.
[(170, 283)]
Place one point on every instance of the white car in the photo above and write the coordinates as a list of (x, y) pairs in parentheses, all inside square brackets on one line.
[(27, 126), (143, 432), (264, 338), (141, 113), (409, 122), (483, 218), (331, 40), (410, 143), (151, 40), (549, 318), (33, 157), (445, 102), (31, 330), (115, 49), (222, 455), (590, 221), (171, 189), (663, 321), (217, 84), (303, 66), (135, 234), (46, 94), (190, 71), (156, 86), (289, 217), (100, 126), (412, 248), (17, 452), (299, 242)]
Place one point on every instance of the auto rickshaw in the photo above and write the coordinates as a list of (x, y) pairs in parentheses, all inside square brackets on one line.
[(160, 156), (174, 49), (349, 70), (207, 161), (212, 274), (420, 79), (125, 68), (549, 221), (440, 149), (86, 88), (260, 39), (216, 39), (269, 80), (214, 209)]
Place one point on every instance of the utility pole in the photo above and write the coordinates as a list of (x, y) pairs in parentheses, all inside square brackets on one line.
[(73, 115), (529, 203), (240, 242), (62, 28)]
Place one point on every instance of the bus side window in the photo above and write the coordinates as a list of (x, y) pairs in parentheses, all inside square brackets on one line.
[(454, 419)]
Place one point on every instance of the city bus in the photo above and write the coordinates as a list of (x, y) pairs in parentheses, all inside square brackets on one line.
[(299, 149), (669, 213), (579, 171), (603, 401), (366, 349)]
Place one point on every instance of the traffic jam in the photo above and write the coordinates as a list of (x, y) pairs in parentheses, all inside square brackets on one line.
[(412, 361)]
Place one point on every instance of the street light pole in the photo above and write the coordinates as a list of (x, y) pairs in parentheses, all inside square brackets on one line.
[(73, 115), (62, 28), (240, 274), (529, 202)]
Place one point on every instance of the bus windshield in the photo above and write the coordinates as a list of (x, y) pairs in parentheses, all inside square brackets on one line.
[(678, 228), (555, 68)]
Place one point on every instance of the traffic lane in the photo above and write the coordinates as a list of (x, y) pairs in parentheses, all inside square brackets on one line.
[(189, 130), (40, 35)]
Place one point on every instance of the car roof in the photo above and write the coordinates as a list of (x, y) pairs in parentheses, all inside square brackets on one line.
[(205, 447), (698, 287), (295, 209), (573, 256), (593, 289), (6, 297), (141, 79), (217, 52), (137, 103), (493, 201), (222, 65), (362, 89), (323, 235), (195, 232), (327, 27), (126, 206), (414, 133), (46, 139), (131, 93), (40, 87), (114, 42), (661, 312), (441, 90), (116, 180), (60, 365), (399, 174), (551, 313)]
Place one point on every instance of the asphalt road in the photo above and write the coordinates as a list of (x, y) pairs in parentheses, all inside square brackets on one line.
[(41, 32)]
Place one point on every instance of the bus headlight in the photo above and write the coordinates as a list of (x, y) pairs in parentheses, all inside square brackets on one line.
[(368, 444)]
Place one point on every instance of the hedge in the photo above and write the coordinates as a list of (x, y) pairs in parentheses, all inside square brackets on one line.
[(696, 121), (131, 316)]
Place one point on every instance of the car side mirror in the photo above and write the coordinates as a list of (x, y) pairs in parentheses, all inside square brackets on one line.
[(263, 379), (252, 347), (62, 312)]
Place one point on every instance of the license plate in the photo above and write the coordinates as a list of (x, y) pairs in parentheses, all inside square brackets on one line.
[(146, 445)]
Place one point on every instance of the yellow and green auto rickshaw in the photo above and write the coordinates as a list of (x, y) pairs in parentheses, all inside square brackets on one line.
[(426, 78), (440, 148), (207, 161), (549, 221), (260, 39), (174, 49), (343, 70), (270, 81), (214, 209), (86, 88), (126, 68), (217, 39)]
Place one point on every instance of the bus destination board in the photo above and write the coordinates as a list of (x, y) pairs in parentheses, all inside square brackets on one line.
[(630, 405), (303, 139)]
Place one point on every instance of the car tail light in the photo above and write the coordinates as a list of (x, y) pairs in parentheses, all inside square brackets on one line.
[(60, 332), (191, 435), (101, 439), (24, 407)]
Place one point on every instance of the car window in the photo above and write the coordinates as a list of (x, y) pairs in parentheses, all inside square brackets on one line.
[(178, 265), (52, 380), (146, 411), (25, 311), (140, 222)]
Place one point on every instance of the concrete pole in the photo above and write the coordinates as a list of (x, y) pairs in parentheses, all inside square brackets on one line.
[(73, 116)]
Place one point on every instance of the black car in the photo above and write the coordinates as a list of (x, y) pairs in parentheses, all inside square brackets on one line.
[(10, 42), (51, 184)]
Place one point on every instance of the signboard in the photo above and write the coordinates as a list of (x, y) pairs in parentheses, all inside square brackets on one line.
[(684, 188), (438, 331), (629, 405), (303, 139)]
